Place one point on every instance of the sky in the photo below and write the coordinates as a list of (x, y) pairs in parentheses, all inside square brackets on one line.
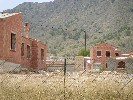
[(9, 4)]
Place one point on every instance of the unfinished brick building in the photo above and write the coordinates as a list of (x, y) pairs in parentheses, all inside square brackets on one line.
[(101, 53), (108, 57), (18, 48)]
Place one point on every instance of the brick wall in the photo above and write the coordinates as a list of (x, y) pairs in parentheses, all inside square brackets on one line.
[(37, 62), (1, 38), (25, 61), (34, 50), (103, 47), (12, 24), (41, 62)]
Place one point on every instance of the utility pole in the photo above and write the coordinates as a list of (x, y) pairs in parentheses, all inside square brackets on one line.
[(85, 48), (65, 78), (85, 40)]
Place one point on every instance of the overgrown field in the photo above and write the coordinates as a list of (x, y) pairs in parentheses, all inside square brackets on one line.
[(78, 86)]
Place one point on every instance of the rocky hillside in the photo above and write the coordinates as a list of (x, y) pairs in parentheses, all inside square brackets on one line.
[(62, 23)]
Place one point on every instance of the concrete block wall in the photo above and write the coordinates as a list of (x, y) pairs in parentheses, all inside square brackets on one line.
[(9, 67)]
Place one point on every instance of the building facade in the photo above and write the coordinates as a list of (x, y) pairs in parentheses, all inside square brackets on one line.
[(107, 57), (18, 48), (10, 37), (100, 54)]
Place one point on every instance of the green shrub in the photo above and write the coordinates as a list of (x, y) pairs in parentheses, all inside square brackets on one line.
[(102, 69), (84, 52)]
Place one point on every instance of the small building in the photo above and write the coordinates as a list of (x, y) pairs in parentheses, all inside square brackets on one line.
[(107, 57), (100, 53), (16, 47)]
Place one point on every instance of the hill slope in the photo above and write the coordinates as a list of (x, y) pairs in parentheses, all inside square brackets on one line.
[(62, 23)]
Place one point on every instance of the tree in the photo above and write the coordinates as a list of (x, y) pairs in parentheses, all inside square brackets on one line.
[(84, 52)]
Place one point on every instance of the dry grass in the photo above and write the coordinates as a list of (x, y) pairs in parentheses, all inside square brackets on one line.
[(49, 86)]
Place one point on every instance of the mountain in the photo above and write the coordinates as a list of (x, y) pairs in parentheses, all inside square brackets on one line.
[(62, 23)]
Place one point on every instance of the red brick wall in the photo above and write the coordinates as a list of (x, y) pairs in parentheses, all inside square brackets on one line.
[(26, 62), (1, 38), (12, 24), (34, 54), (35, 61), (41, 63), (103, 47), (26, 29)]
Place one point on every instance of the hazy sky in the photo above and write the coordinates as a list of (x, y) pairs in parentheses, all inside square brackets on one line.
[(9, 4)]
